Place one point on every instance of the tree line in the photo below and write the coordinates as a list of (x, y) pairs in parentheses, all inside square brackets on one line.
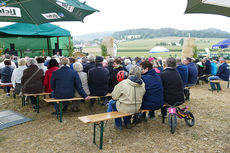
[(145, 33)]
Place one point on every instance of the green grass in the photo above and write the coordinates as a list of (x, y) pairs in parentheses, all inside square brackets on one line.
[(146, 54), (142, 47)]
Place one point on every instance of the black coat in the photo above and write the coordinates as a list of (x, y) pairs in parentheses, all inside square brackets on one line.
[(207, 67), (172, 86), (113, 77), (98, 80), (88, 66)]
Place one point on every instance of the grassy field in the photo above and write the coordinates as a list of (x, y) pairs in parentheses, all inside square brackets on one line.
[(142, 47)]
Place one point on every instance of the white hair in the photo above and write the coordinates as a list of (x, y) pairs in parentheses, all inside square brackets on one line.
[(32, 61), (127, 61), (77, 66), (48, 58), (135, 71)]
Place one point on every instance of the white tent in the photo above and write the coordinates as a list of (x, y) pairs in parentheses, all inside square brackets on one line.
[(158, 50)]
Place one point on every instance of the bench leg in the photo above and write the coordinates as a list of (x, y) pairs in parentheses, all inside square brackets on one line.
[(37, 109), (101, 125), (60, 111), (228, 84), (23, 101), (101, 134)]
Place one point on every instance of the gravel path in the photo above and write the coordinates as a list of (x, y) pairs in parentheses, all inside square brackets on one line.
[(211, 133)]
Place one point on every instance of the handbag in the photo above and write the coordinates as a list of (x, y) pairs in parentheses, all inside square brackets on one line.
[(17, 89), (137, 117)]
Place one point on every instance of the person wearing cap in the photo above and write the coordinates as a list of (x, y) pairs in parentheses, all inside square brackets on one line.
[(98, 79)]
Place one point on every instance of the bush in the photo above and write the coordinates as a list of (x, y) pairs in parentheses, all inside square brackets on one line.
[(103, 50)]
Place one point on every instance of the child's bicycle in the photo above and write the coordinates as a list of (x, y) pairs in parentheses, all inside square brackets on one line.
[(174, 112)]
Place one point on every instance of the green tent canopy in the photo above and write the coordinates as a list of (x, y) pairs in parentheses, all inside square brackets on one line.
[(44, 30), (40, 39)]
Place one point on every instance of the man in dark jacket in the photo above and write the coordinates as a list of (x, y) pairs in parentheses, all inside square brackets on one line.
[(153, 98), (89, 65), (98, 79), (172, 83), (183, 71), (207, 66), (64, 82), (192, 72), (222, 74)]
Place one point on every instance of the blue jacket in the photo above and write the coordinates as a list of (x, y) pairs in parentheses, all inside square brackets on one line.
[(192, 73), (223, 71), (153, 98), (64, 82), (213, 68), (98, 80), (183, 71), (6, 74)]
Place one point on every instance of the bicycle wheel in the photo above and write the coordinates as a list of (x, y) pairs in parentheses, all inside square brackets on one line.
[(172, 122), (189, 119)]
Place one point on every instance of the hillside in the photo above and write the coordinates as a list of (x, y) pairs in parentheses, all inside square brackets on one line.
[(169, 32), (145, 33)]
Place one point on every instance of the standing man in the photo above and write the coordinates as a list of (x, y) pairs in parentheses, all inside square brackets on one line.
[(64, 82), (222, 74)]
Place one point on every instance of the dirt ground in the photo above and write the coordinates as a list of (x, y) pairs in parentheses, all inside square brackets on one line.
[(211, 133)]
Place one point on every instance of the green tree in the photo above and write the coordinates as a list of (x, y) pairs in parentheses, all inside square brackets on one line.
[(70, 48), (181, 41), (195, 52), (103, 50)]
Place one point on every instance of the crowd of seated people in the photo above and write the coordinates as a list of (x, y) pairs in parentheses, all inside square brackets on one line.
[(151, 82)]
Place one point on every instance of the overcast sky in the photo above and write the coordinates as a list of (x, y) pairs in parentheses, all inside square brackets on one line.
[(117, 15)]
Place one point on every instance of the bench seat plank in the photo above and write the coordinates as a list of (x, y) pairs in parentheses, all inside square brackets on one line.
[(76, 98), (49, 100), (102, 117), (217, 81), (38, 94)]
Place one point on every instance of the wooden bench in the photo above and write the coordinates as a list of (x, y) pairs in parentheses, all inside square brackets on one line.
[(37, 99), (60, 102), (98, 120), (219, 81)]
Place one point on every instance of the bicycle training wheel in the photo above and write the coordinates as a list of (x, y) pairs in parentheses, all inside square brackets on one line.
[(172, 122), (189, 119)]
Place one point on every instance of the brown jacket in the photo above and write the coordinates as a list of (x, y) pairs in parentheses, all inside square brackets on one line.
[(35, 85)]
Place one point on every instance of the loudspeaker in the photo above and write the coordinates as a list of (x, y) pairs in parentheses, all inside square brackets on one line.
[(13, 52), (56, 46), (12, 47)]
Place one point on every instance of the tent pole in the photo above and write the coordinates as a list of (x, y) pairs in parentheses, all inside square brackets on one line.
[(58, 41), (48, 46)]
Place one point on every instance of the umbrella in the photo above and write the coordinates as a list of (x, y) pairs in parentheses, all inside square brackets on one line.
[(158, 50), (43, 11), (222, 44), (221, 7)]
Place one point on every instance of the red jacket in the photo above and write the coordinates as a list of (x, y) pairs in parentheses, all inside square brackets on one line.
[(47, 78)]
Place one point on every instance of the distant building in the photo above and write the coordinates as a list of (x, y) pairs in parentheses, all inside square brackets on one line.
[(133, 36)]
